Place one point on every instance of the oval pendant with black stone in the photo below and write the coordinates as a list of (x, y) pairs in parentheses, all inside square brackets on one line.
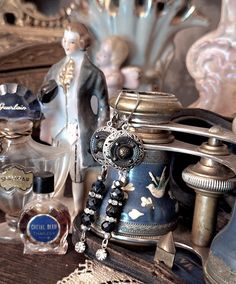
[(123, 150), (97, 140)]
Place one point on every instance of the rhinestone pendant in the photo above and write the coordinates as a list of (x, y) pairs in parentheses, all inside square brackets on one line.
[(101, 254), (80, 247)]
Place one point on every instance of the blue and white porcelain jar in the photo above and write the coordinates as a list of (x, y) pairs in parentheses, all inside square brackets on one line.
[(149, 209)]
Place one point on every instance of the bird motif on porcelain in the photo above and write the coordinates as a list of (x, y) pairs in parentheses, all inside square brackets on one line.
[(158, 185)]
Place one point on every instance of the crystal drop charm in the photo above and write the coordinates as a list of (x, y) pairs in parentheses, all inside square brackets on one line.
[(101, 254), (80, 247)]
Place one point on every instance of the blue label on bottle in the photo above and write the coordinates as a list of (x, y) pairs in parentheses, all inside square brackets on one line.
[(43, 228)]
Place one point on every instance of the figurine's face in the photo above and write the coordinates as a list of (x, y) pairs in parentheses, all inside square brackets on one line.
[(104, 54), (70, 42)]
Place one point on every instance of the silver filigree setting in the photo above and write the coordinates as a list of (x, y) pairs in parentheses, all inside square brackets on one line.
[(97, 140), (123, 150)]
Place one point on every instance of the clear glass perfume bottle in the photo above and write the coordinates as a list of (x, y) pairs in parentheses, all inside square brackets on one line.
[(21, 156), (44, 223)]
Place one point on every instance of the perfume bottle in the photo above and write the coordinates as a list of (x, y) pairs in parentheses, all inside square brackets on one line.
[(21, 156), (44, 223)]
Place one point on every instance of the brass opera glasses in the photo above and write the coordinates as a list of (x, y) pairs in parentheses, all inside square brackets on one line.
[(211, 177)]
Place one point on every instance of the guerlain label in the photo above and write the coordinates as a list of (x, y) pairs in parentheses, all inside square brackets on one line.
[(3, 106)]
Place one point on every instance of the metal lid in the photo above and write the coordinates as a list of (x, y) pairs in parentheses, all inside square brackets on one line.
[(153, 107), (147, 109)]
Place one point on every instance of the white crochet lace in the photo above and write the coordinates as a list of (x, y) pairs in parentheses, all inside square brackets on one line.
[(92, 272)]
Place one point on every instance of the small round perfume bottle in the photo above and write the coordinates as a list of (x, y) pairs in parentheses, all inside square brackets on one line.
[(44, 222)]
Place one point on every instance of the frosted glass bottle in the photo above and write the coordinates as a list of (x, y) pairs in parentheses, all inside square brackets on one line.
[(44, 223), (211, 62), (20, 158)]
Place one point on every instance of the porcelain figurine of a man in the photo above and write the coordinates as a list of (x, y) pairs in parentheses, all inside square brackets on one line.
[(66, 103)]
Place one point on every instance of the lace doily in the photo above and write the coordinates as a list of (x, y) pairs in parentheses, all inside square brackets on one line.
[(92, 272)]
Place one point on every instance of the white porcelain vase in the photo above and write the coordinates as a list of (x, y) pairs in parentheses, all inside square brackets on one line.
[(211, 61), (149, 28)]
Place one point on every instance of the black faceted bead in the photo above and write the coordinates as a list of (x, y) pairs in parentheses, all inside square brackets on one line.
[(113, 211), (87, 219), (108, 227), (117, 194), (93, 203), (98, 187)]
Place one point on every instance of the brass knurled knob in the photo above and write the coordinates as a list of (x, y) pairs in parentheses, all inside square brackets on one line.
[(207, 183), (209, 179)]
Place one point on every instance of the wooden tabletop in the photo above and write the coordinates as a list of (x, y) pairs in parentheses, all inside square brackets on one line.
[(16, 268)]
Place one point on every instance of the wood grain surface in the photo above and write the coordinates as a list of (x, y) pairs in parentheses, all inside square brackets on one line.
[(16, 268)]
